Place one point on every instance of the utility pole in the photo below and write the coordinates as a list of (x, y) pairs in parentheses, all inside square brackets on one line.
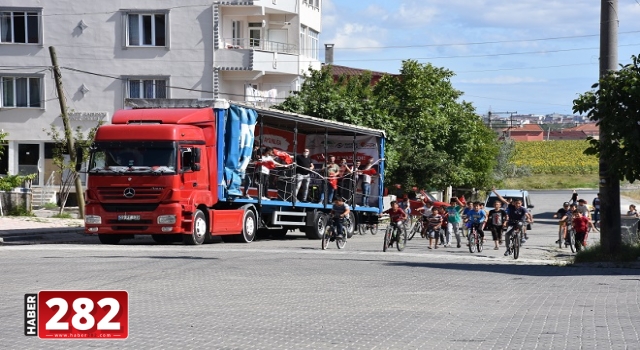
[(610, 235), (511, 123), (68, 134)]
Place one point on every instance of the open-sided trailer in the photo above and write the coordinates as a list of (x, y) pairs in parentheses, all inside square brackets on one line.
[(237, 126)]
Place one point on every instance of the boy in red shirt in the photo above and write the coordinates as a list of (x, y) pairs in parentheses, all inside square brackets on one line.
[(581, 225), (397, 216)]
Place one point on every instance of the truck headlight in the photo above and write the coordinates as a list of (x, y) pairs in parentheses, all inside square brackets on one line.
[(166, 219), (93, 219)]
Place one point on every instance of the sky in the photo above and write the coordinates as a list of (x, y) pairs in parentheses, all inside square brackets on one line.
[(524, 56)]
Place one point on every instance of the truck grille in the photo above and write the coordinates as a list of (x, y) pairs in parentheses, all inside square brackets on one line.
[(128, 208), (141, 193)]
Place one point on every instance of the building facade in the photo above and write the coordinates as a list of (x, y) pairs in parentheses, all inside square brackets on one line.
[(111, 50)]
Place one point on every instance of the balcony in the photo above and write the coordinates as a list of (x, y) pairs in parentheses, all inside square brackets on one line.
[(259, 44)]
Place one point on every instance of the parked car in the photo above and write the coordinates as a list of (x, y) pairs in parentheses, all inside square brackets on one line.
[(510, 195)]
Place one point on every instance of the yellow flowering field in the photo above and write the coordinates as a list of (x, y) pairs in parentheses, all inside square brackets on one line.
[(555, 157)]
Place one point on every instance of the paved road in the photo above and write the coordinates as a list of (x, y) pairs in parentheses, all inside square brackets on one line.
[(289, 294)]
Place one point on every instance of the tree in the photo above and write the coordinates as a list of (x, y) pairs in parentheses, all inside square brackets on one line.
[(433, 140), (615, 106), (66, 166)]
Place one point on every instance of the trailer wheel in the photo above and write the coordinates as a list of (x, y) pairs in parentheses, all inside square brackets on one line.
[(249, 227), (199, 231), (317, 230), (351, 227), (109, 239)]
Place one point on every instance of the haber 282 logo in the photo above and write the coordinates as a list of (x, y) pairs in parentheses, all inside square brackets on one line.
[(79, 314)]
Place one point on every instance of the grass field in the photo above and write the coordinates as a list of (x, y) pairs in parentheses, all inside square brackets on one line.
[(553, 182)]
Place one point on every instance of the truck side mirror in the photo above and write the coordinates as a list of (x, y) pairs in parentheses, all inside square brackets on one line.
[(79, 158)]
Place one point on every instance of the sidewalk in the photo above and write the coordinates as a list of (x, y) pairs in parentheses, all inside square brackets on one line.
[(33, 229)]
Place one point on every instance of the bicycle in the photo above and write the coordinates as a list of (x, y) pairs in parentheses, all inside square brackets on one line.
[(514, 241), (475, 241), (395, 233), (330, 234), (371, 228), (418, 226), (571, 238)]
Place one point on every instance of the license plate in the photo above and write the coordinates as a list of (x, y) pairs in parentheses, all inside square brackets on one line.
[(128, 217)]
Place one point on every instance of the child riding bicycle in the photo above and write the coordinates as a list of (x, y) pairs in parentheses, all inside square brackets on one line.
[(476, 219), (339, 211), (397, 216)]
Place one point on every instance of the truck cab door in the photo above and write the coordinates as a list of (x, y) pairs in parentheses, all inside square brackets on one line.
[(189, 167)]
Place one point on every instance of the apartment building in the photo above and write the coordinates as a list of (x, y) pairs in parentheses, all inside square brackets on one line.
[(111, 50)]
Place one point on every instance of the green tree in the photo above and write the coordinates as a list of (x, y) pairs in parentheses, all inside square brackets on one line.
[(615, 105), (3, 137), (67, 166), (433, 140)]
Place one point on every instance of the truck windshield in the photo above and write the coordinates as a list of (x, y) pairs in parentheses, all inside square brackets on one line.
[(146, 157)]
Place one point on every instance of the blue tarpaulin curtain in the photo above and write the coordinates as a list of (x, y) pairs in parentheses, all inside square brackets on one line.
[(239, 136)]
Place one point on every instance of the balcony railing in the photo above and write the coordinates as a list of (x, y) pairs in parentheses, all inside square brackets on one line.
[(259, 44)]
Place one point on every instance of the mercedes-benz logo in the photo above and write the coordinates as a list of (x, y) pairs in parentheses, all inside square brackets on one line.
[(129, 192)]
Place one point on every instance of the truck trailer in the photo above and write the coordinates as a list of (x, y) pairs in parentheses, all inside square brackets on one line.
[(174, 169)]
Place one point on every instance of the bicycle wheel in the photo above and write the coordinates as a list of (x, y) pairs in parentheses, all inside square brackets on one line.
[(373, 229), (472, 241), (480, 244), (516, 244), (414, 229), (401, 239), (362, 229), (387, 238), (341, 241), (560, 238), (326, 237), (572, 240)]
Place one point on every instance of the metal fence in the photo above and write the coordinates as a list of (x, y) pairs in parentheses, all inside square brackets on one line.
[(259, 44), (629, 230)]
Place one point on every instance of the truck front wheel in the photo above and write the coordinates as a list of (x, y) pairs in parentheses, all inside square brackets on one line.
[(249, 227), (199, 231)]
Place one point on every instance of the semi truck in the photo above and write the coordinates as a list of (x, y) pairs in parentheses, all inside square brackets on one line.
[(174, 169)]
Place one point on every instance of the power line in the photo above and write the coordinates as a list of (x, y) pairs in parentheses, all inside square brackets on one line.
[(477, 43)]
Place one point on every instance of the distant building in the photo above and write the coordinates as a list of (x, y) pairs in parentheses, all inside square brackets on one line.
[(589, 129), (524, 132), (567, 134)]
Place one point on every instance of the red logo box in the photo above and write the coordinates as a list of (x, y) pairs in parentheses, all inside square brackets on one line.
[(83, 314)]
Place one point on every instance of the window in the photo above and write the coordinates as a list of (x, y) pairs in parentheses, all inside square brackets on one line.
[(236, 33), (147, 88), (21, 92), (147, 29), (20, 27), (303, 40), (255, 34), (314, 46)]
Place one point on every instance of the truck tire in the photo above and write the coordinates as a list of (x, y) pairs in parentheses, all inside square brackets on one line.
[(351, 228), (316, 231), (109, 239), (249, 227), (199, 231)]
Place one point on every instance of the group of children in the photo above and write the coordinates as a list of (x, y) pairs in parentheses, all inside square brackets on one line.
[(575, 214), (441, 223)]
